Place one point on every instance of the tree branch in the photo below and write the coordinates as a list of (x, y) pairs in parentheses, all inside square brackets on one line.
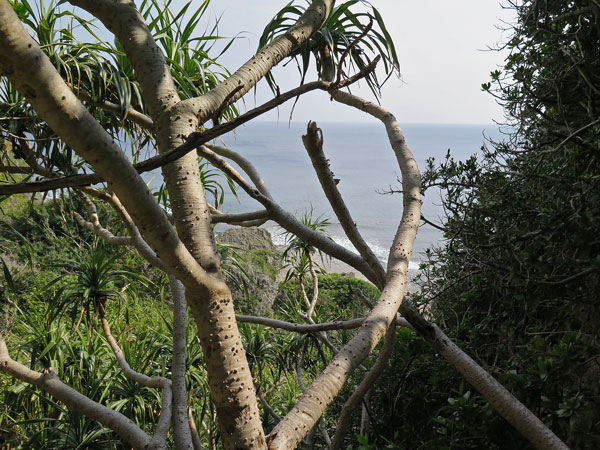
[(195, 436), (367, 382), (95, 227), (311, 328), (135, 116), (137, 240), (313, 142), (153, 382), (499, 398), (268, 408), (254, 218), (260, 64), (181, 426), (310, 407), (245, 164), (164, 421)]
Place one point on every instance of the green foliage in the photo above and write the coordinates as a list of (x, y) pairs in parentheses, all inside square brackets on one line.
[(516, 283), (85, 363), (298, 255), (343, 26)]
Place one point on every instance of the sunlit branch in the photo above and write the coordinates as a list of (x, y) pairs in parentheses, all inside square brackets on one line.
[(313, 142)]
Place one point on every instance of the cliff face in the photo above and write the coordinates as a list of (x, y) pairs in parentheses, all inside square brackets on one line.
[(254, 288)]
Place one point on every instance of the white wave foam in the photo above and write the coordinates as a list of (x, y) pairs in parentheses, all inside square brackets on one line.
[(278, 238)]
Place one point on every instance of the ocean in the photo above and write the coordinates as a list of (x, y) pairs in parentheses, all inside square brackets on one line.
[(361, 157)]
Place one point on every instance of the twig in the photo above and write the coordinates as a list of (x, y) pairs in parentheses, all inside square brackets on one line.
[(434, 225), (349, 48)]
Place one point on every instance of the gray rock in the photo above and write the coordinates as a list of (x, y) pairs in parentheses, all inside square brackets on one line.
[(251, 238), (261, 261)]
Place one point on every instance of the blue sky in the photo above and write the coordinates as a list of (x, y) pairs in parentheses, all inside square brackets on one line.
[(443, 51)]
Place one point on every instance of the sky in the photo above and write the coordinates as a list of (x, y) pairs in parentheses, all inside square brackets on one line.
[(443, 47)]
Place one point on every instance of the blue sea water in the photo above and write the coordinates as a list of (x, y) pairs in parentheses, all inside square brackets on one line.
[(361, 157)]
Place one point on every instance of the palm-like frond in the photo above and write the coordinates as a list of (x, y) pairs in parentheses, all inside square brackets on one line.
[(343, 26), (88, 282)]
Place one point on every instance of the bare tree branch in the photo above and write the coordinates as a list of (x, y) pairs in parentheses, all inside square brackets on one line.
[(137, 240), (254, 217), (182, 434), (195, 436), (310, 407), (245, 164), (313, 142), (497, 395), (159, 440), (154, 382), (135, 116), (268, 408), (94, 225), (367, 382), (309, 327)]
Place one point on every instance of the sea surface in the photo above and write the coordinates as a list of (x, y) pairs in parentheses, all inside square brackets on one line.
[(361, 157)]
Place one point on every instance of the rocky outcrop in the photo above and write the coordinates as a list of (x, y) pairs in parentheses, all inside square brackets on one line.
[(250, 238), (252, 248)]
